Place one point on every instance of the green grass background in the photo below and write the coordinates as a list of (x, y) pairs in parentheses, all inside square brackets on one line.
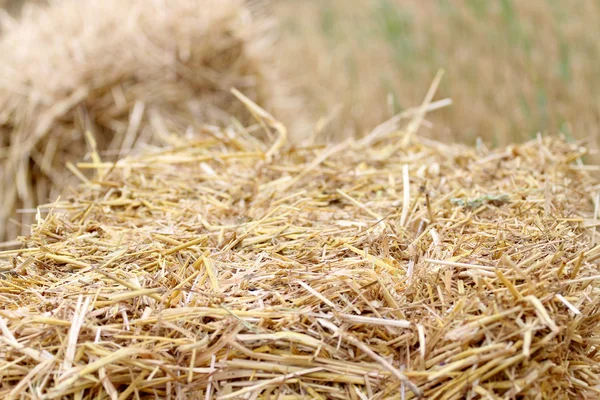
[(513, 68)]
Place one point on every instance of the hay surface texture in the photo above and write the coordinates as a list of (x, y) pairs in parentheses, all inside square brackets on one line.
[(117, 68), (366, 270)]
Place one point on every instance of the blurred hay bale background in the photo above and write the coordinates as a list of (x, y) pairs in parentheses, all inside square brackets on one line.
[(513, 68), (129, 72)]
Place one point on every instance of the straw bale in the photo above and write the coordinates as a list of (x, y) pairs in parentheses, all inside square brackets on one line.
[(392, 267), (117, 67)]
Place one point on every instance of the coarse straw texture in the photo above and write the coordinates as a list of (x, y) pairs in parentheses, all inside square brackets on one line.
[(128, 71), (373, 269)]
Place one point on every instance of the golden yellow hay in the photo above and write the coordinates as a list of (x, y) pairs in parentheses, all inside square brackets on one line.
[(393, 267), (130, 71)]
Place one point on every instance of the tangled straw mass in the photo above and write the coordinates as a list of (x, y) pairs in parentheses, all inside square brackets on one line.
[(223, 260), (389, 266)]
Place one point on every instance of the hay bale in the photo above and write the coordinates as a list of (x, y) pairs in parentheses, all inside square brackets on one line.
[(116, 68), (375, 269)]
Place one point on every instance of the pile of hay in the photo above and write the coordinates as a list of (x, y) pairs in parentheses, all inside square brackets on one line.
[(130, 71), (393, 266)]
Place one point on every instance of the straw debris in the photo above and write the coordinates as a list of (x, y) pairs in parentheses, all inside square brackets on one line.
[(130, 72), (209, 270)]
